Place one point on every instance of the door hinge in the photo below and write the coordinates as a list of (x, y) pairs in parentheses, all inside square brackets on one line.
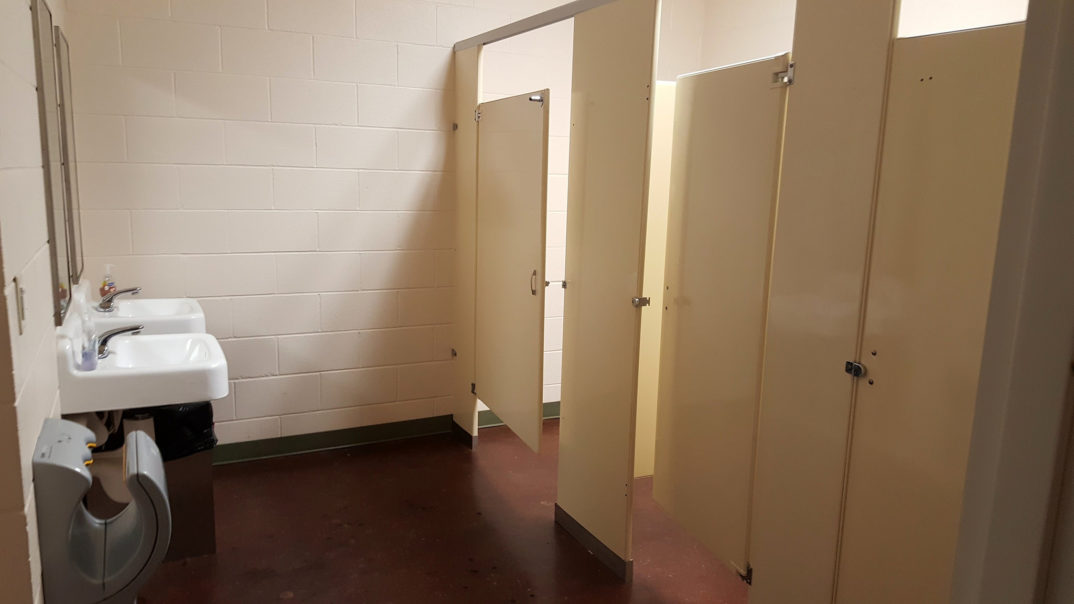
[(854, 368), (785, 77), (473, 388), (747, 576), (639, 302), (477, 114)]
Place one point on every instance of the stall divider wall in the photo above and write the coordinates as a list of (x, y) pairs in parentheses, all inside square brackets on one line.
[(724, 184), (607, 190), (467, 91), (830, 156)]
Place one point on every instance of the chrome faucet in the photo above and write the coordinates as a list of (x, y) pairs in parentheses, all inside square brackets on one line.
[(107, 303), (104, 338)]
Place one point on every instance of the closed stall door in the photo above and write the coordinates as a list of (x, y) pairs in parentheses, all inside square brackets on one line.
[(512, 164), (944, 159), (724, 175)]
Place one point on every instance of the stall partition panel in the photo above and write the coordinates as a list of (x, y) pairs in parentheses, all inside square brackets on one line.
[(948, 128), (724, 180), (467, 89), (607, 189), (512, 168)]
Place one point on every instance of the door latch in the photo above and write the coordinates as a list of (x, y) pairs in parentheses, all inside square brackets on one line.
[(639, 302), (854, 368)]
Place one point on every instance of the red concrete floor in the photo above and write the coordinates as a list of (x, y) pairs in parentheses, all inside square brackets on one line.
[(425, 520)]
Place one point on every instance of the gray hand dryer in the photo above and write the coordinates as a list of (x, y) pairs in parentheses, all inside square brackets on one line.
[(90, 560)]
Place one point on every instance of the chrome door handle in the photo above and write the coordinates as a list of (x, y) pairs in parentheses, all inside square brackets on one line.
[(533, 283)]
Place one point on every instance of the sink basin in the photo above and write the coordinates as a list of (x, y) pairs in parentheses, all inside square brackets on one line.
[(158, 315), (144, 371)]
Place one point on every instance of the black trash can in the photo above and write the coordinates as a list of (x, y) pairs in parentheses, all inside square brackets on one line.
[(183, 430)]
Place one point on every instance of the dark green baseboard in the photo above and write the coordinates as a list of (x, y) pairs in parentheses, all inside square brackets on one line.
[(336, 439), (488, 419)]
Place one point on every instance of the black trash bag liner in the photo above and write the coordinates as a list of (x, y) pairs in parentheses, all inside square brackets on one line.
[(181, 430)]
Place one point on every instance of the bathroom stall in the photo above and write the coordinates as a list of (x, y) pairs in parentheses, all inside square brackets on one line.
[(801, 377), (818, 498), (613, 62)]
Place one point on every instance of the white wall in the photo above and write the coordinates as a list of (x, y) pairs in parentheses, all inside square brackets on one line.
[(287, 164), (533, 61), (923, 17), (28, 382), (744, 31), (703, 34)]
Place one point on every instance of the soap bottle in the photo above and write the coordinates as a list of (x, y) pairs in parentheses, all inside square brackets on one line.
[(87, 360), (108, 285)]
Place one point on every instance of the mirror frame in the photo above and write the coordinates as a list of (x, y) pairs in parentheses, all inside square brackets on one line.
[(73, 208)]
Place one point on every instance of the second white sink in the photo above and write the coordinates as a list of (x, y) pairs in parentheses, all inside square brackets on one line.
[(158, 315)]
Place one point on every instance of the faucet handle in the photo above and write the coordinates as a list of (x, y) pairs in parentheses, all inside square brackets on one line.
[(106, 337), (107, 303)]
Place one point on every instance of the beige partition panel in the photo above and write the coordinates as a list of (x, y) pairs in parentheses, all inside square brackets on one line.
[(830, 147), (467, 90), (948, 130), (724, 180), (656, 237), (609, 159), (512, 168)]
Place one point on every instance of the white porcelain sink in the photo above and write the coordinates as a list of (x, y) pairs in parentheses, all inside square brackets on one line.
[(158, 315), (144, 371)]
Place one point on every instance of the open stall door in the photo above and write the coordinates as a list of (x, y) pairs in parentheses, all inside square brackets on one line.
[(724, 179), (942, 172), (607, 188), (512, 168)]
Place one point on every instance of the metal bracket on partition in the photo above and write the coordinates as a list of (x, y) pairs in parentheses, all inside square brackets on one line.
[(639, 302), (785, 77), (537, 99), (562, 284), (477, 114)]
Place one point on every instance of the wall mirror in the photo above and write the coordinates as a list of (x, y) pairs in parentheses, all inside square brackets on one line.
[(57, 154)]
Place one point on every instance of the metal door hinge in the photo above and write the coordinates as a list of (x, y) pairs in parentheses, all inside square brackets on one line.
[(747, 576), (854, 368), (473, 388), (477, 114), (639, 302), (785, 77)]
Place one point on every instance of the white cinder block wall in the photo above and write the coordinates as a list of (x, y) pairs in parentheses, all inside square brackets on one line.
[(533, 61), (287, 163), (28, 381)]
